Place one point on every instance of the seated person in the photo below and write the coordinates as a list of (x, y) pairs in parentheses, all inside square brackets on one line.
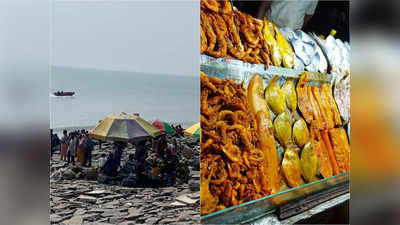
[(110, 168), (102, 161), (128, 168)]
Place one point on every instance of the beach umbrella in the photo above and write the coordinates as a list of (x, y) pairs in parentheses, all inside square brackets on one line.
[(194, 130), (164, 127), (123, 127)]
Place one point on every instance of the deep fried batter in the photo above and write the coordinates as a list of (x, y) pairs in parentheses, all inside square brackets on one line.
[(234, 161)]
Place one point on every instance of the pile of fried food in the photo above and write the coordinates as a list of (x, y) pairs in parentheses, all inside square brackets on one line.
[(225, 32), (239, 144)]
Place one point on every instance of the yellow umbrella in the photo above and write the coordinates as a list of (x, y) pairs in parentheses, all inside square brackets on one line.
[(123, 127), (194, 130)]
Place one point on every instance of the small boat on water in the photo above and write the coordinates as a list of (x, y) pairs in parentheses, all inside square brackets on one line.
[(64, 93)]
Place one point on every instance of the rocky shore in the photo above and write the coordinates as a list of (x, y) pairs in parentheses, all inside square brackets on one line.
[(77, 198)]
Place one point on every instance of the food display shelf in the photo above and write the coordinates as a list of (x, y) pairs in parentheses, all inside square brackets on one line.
[(239, 71), (253, 210)]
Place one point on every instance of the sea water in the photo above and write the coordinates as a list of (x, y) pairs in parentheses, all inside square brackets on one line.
[(98, 93)]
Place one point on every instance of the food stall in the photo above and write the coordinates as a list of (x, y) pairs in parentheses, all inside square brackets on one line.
[(275, 119)]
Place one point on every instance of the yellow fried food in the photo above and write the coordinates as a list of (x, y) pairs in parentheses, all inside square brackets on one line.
[(291, 168), (329, 148), (341, 148), (322, 152), (207, 200), (290, 95), (325, 123), (325, 104), (302, 98), (301, 135), (233, 158), (285, 49), (283, 129), (309, 163), (255, 95), (327, 90), (315, 109), (275, 97), (267, 145), (269, 36)]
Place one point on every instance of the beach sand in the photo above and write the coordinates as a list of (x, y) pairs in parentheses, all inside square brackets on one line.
[(83, 201)]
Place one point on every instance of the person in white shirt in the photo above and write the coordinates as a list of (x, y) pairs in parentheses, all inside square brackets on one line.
[(102, 160), (288, 13)]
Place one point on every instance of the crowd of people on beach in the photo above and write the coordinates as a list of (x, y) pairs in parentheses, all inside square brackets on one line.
[(156, 161), (73, 144)]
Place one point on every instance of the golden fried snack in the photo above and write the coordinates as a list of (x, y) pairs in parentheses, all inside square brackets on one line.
[(291, 167), (255, 95), (328, 146), (315, 109), (233, 161), (269, 36), (212, 5), (275, 97), (289, 91), (283, 129), (209, 31), (309, 163), (303, 100), (267, 145), (326, 106), (226, 7), (285, 49), (341, 148), (220, 29), (327, 90), (301, 134), (322, 153), (325, 124), (203, 40)]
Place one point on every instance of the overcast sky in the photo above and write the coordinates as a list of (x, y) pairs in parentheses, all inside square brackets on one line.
[(148, 36)]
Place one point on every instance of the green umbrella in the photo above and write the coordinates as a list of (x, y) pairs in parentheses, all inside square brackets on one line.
[(164, 127)]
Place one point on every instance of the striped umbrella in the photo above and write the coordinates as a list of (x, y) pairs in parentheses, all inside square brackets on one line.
[(163, 127), (194, 130), (123, 127)]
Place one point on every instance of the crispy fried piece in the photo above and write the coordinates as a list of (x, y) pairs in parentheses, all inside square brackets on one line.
[(322, 153), (226, 7), (209, 31), (220, 29), (325, 123), (285, 49), (325, 104), (328, 146), (302, 98), (269, 36), (309, 163), (232, 152), (267, 145), (341, 148), (275, 97), (327, 89), (212, 5), (203, 37), (315, 110), (301, 135), (207, 200), (283, 129), (229, 144), (291, 167), (255, 94), (289, 91)]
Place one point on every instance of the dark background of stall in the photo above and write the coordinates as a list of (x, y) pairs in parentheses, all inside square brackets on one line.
[(328, 15)]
